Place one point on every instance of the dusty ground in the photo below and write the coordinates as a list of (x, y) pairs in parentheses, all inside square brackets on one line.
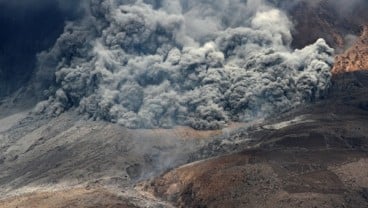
[(314, 156), (268, 179), (318, 160), (91, 198), (42, 160)]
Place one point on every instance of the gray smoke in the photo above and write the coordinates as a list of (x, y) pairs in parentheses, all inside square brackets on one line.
[(160, 63)]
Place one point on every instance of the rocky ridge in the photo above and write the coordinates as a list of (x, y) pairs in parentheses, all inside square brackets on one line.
[(355, 58)]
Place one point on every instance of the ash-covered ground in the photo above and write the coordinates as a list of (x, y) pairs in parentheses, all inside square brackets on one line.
[(315, 155), (101, 102)]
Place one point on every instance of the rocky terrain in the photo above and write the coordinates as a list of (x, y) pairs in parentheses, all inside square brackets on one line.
[(68, 162), (339, 24), (317, 160), (356, 57), (315, 155), (344, 28)]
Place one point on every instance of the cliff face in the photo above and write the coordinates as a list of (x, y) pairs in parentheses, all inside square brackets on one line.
[(343, 26), (326, 19), (355, 58)]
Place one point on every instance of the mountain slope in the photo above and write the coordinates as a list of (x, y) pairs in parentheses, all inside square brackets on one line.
[(315, 155), (317, 160), (355, 58)]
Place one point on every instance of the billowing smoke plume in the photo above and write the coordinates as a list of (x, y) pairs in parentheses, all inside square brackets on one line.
[(159, 63)]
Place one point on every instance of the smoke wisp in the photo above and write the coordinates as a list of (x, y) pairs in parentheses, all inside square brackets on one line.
[(160, 63)]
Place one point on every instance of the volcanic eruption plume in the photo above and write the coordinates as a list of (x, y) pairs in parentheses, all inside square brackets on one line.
[(160, 63)]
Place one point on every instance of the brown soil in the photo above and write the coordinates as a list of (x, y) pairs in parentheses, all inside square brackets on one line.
[(83, 198), (267, 179), (355, 58), (321, 163)]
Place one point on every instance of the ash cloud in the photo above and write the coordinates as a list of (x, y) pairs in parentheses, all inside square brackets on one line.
[(150, 64)]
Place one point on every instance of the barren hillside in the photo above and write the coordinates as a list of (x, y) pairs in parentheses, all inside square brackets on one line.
[(186, 104)]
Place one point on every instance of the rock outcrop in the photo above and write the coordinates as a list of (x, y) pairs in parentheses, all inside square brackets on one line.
[(319, 159), (355, 58)]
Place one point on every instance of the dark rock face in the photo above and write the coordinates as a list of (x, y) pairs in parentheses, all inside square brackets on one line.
[(320, 161), (328, 19)]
